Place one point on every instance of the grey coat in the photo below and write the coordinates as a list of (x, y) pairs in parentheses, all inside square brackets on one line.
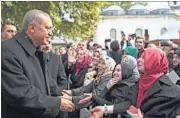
[(27, 89)]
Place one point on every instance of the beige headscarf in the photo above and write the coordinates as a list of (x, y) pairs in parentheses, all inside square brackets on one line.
[(110, 64)]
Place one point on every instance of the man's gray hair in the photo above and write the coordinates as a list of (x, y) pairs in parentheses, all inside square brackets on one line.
[(33, 16)]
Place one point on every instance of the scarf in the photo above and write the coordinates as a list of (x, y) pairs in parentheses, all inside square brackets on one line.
[(155, 65), (83, 64), (133, 51)]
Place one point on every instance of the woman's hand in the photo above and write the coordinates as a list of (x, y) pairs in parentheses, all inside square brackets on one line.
[(86, 99), (136, 115), (113, 81), (97, 112)]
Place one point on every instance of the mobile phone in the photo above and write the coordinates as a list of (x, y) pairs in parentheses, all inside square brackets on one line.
[(107, 40), (164, 43)]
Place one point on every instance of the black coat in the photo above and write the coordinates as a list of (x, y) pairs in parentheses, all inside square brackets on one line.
[(56, 68), (27, 88), (77, 80), (117, 56), (78, 93), (162, 101)]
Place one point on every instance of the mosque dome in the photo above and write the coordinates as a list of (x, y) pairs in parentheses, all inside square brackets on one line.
[(113, 10), (138, 10), (161, 9)]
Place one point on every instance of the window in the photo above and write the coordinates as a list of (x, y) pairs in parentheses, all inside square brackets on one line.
[(163, 31), (139, 32), (113, 34)]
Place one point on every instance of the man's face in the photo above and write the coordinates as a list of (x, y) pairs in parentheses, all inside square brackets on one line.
[(9, 32), (42, 31)]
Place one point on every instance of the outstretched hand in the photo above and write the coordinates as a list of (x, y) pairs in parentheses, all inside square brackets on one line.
[(136, 115), (97, 112), (86, 99)]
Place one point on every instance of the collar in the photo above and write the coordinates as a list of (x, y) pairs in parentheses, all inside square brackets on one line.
[(157, 85), (26, 43)]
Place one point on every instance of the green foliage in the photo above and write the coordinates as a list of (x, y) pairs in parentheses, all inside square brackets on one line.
[(85, 14), (14, 11), (125, 4)]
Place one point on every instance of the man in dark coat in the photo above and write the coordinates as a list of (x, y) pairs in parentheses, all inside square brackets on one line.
[(55, 65), (116, 53), (27, 91), (8, 30)]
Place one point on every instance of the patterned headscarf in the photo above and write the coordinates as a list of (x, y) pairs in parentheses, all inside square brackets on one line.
[(110, 64)]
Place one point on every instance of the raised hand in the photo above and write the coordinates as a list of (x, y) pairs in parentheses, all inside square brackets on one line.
[(86, 99), (66, 105), (113, 81), (97, 112)]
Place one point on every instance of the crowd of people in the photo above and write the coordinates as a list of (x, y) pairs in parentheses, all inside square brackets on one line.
[(131, 78)]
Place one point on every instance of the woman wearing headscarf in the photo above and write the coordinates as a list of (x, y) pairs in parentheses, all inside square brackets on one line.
[(176, 64), (92, 71), (79, 69), (125, 75), (131, 50), (105, 68), (154, 95)]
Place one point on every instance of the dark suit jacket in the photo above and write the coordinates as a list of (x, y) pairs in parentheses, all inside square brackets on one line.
[(162, 100), (56, 68), (27, 91)]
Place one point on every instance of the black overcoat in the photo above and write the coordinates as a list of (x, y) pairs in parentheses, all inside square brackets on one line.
[(27, 91)]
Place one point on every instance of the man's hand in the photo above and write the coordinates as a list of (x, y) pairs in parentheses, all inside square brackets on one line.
[(68, 92), (66, 96), (66, 105), (97, 112), (86, 99)]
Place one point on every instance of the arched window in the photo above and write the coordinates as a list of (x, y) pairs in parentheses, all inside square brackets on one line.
[(113, 34), (139, 32), (163, 31)]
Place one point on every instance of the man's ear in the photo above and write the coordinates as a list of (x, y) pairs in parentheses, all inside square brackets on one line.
[(31, 28)]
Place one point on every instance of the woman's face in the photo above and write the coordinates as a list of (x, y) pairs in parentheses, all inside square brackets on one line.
[(176, 60), (140, 64), (139, 44), (101, 66), (117, 71), (96, 57), (80, 55), (81, 46)]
